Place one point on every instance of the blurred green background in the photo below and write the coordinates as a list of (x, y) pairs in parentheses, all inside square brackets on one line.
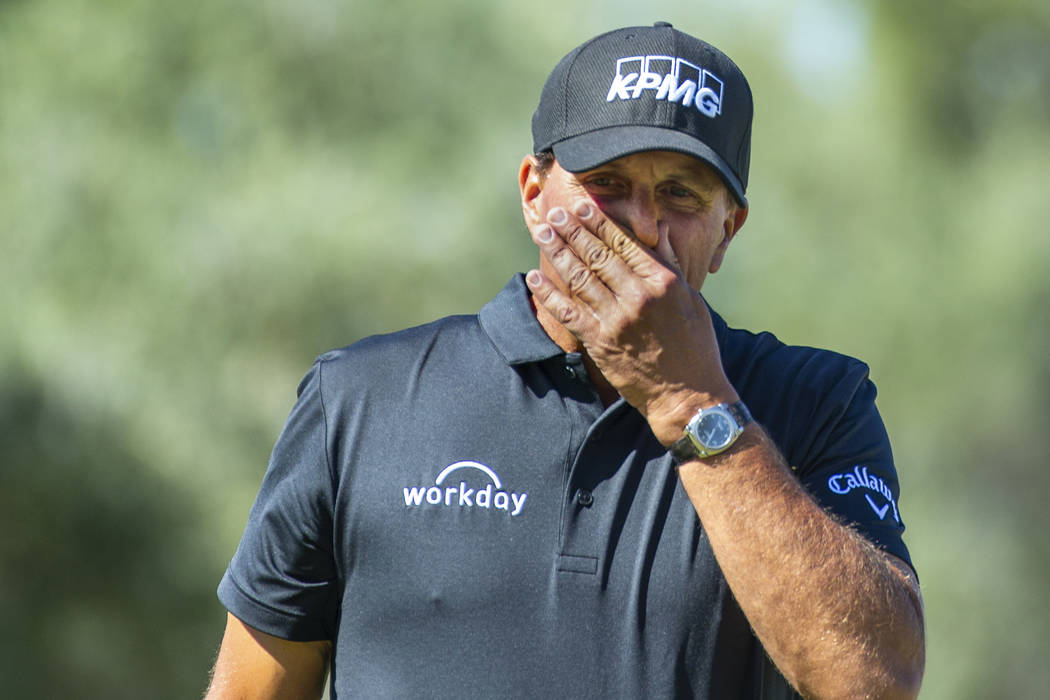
[(197, 198)]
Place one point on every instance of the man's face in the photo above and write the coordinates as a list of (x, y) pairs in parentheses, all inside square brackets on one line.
[(672, 203)]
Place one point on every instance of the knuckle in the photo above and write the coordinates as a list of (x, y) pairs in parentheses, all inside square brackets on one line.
[(621, 243), (665, 280), (598, 257), (566, 316), (577, 236), (544, 294), (579, 277), (617, 326), (561, 256)]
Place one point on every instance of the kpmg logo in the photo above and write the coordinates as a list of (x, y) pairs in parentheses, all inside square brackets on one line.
[(860, 478), (669, 78), (463, 491)]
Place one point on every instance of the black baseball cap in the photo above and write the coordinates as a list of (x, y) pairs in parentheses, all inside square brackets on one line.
[(645, 89)]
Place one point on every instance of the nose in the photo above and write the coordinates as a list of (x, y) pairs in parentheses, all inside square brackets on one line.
[(643, 217)]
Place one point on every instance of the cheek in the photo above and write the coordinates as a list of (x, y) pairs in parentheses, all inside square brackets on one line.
[(694, 250), (612, 208), (561, 195), (604, 204)]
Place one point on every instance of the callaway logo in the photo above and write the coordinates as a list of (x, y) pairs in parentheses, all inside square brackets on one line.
[(670, 78), (859, 478), (460, 495)]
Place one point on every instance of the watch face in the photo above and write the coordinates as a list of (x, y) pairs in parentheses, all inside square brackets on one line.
[(714, 430)]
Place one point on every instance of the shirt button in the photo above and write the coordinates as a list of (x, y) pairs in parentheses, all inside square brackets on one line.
[(584, 497), (571, 371)]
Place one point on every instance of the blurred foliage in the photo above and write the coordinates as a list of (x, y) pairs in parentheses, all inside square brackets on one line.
[(197, 198)]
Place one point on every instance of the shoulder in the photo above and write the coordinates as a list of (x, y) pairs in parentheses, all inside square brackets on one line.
[(392, 362), (392, 351), (819, 408), (801, 394), (765, 362)]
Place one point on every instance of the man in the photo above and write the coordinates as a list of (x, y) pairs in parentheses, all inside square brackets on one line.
[(595, 487)]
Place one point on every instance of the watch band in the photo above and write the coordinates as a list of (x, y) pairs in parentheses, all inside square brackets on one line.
[(686, 448), (740, 412)]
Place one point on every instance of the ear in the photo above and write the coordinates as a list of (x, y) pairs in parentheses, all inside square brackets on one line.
[(734, 221), (530, 182)]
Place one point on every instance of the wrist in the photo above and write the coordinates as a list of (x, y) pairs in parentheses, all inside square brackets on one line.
[(669, 420), (712, 431)]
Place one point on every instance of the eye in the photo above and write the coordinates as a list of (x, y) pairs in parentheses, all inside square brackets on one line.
[(602, 183), (605, 185), (681, 196)]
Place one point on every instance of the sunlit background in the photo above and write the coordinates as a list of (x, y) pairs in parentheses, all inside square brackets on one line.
[(196, 198)]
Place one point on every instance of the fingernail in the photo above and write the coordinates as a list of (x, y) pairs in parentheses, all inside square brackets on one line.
[(544, 234), (533, 278), (557, 216), (583, 210)]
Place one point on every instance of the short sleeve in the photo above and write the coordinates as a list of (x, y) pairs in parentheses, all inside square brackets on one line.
[(850, 468), (282, 578)]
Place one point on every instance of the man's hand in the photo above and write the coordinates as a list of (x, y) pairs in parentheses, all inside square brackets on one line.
[(646, 329), (650, 334)]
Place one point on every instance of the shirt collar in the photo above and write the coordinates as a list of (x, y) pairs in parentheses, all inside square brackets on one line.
[(721, 329), (511, 325)]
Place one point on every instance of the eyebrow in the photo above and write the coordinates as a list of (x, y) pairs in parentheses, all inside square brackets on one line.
[(697, 172)]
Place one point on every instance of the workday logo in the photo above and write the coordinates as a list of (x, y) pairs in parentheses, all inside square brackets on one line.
[(669, 78), (454, 492), (860, 478)]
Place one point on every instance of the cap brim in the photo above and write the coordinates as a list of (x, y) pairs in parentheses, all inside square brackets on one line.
[(588, 151)]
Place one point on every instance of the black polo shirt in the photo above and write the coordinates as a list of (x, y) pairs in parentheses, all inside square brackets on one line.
[(453, 506)]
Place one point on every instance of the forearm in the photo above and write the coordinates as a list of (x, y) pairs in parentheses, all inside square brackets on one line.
[(831, 611), (256, 665), (834, 615)]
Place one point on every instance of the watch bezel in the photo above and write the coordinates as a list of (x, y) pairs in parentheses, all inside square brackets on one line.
[(725, 422), (692, 446)]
